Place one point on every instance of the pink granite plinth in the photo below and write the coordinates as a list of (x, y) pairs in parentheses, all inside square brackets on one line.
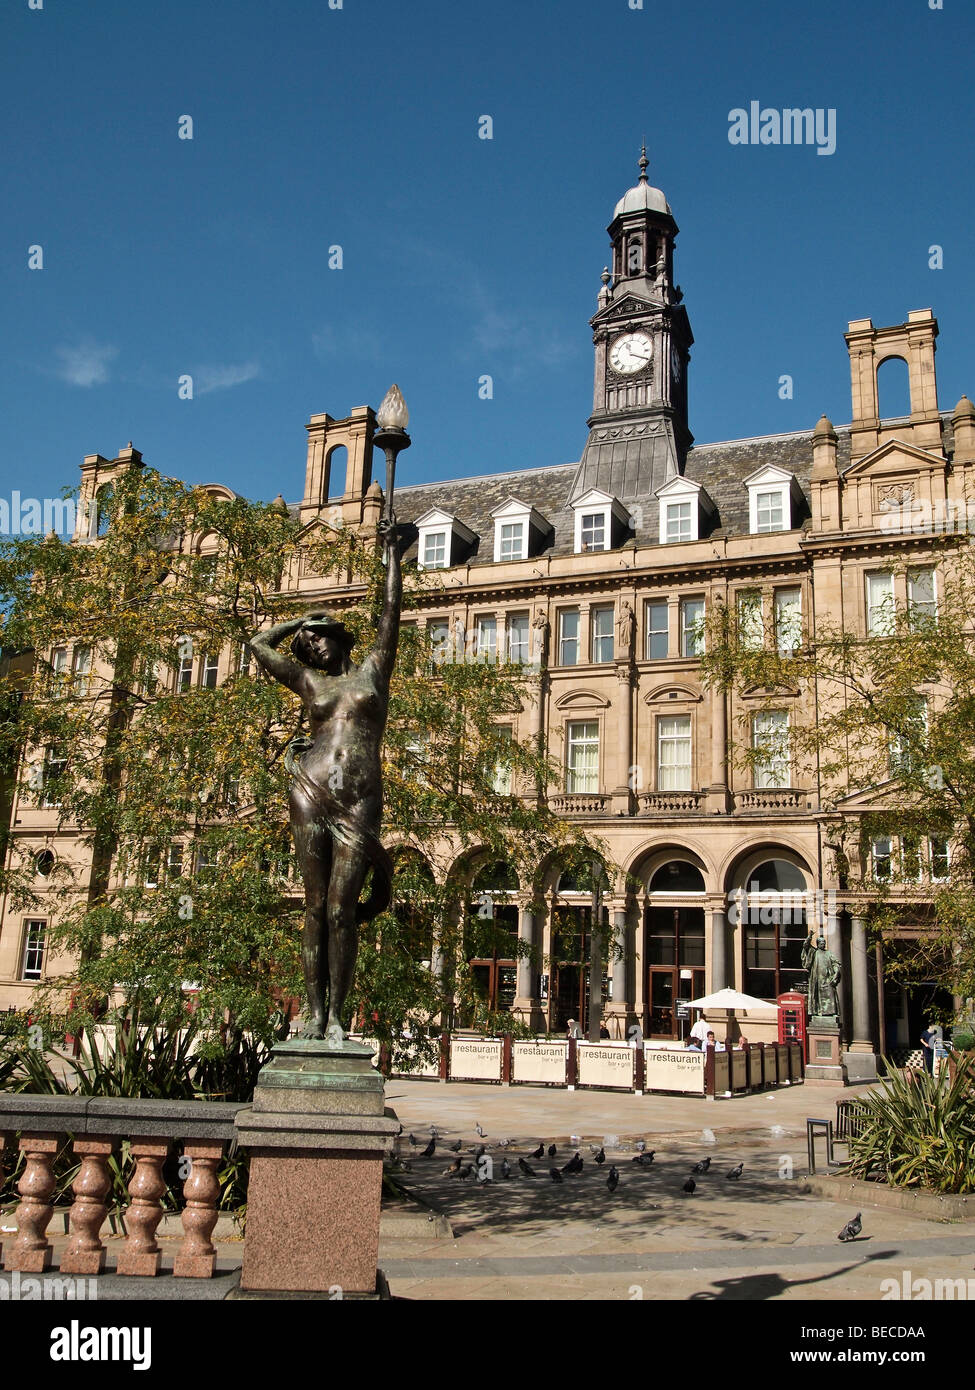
[(312, 1221)]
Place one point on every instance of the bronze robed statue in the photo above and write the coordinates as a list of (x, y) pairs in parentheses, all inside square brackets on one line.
[(336, 788), (824, 976)]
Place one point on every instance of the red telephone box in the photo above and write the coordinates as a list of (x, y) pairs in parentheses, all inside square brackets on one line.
[(792, 1021)]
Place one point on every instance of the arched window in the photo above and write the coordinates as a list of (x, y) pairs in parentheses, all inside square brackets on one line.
[(413, 893), (893, 388), (336, 466), (772, 911), (675, 946), (677, 877), (103, 502), (490, 941)]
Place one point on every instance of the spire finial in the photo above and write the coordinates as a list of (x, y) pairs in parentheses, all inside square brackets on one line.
[(644, 162)]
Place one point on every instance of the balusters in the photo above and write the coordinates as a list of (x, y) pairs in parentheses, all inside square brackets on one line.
[(31, 1252), (141, 1254), (197, 1258), (85, 1253)]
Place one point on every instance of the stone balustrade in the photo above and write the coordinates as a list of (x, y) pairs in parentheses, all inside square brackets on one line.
[(580, 804), (655, 803), (95, 1128), (771, 799)]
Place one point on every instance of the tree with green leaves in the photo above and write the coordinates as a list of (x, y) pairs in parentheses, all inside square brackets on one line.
[(163, 744), (884, 725)]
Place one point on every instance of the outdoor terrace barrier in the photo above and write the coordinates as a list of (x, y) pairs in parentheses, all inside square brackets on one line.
[(570, 1063), (95, 1128)]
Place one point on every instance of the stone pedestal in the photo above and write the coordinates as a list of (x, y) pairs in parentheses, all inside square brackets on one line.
[(860, 1064), (317, 1133), (824, 1053)]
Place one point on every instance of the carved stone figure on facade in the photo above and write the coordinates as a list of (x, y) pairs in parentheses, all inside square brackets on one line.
[(625, 629), (540, 629), (336, 788)]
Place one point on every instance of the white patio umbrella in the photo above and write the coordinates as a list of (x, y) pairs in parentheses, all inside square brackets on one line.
[(731, 999)]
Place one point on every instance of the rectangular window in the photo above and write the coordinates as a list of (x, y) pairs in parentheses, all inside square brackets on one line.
[(244, 659), (486, 639), (512, 540), (206, 863), (439, 633), (658, 637), (518, 638), (59, 665), (692, 626), (922, 597), (149, 677), (770, 740), (174, 862), (907, 742), (751, 629), (880, 604), (82, 669), (150, 866), (769, 511), (938, 849), (54, 764), (593, 531), (208, 671), (678, 521), (601, 620), (501, 776), (788, 620), (184, 651), (208, 570), (583, 757), (569, 637), (880, 857), (674, 753), (435, 550), (33, 963)]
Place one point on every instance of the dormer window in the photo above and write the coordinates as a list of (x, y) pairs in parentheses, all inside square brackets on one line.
[(773, 497), (436, 550), (683, 505), (600, 522), (519, 531), (442, 540)]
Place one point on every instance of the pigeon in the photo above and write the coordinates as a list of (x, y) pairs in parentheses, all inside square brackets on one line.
[(736, 1172), (505, 1168), (601, 1157), (454, 1168), (574, 1164), (480, 1132), (455, 1148), (703, 1166), (430, 1149), (539, 1152), (526, 1168), (435, 1131), (689, 1186), (641, 1144), (613, 1181), (414, 1141), (555, 1175), (479, 1152), (852, 1229), (466, 1171), (503, 1143), (552, 1150), (644, 1160)]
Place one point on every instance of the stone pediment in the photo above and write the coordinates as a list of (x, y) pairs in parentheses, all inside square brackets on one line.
[(625, 308), (882, 796), (680, 694), (770, 692), (897, 456), (582, 699)]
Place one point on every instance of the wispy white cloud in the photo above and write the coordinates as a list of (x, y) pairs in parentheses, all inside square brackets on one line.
[(86, 363), (214, 377)]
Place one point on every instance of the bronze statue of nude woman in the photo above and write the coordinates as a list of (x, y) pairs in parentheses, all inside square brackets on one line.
[(336, 789)]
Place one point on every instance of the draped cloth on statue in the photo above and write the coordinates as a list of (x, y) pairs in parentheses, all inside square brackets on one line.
[(336, 819)]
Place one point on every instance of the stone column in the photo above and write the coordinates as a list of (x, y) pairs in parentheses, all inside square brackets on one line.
[(860, 1060), (718, 798), (719, 949), (622, 796), (525, 996)]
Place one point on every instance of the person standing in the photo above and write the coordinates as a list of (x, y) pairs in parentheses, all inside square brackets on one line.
[(928, 1040)]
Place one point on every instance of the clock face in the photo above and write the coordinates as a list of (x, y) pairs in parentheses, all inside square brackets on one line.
[(631, 353)]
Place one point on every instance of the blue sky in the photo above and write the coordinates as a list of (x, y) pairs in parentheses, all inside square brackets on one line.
[(358, 127)]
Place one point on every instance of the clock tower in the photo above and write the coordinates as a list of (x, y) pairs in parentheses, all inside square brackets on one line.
[(638, 433)]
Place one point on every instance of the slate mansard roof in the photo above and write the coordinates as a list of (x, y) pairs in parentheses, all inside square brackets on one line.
[(720, 468)]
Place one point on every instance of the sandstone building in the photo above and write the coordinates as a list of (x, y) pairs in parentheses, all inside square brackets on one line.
[(597, 574)]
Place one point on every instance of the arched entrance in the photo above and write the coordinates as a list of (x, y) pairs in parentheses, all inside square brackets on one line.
[(675, 944), (491, 943), (770, 917)]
